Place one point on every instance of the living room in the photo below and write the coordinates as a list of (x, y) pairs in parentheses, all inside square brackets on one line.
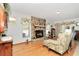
[(50, 29)]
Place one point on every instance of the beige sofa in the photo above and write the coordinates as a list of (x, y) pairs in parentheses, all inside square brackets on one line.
[(61, 44)]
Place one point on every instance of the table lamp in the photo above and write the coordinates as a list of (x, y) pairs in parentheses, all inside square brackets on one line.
[(1, 21)]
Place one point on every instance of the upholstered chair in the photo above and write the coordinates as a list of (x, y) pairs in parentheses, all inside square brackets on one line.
[(61, 44)]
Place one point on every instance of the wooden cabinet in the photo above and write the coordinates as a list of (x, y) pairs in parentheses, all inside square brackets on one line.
[(6, 49), (1, 48)]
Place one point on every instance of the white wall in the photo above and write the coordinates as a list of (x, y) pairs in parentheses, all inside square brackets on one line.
[(15, 28)]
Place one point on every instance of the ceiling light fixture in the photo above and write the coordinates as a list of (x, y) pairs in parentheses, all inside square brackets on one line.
[(58, 12)]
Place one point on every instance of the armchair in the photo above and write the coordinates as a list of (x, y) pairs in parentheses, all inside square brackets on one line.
[(61, 44)]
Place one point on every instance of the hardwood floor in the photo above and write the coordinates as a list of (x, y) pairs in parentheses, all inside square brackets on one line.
[(37, 49)]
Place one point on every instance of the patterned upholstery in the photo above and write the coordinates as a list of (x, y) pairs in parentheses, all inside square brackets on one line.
[(61, 44)]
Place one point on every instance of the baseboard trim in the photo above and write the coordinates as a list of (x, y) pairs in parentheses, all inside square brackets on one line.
[(22, 43)]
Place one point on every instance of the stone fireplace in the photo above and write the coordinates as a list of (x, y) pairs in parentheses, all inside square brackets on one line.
[(38, 27), (39, 33)]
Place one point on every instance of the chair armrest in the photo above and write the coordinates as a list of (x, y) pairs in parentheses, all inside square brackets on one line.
[(54, 42)]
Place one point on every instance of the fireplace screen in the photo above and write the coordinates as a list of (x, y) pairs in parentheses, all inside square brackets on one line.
[(39, 33)]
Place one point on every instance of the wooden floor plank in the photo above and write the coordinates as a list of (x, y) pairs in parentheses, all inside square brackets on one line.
[(37, 49)]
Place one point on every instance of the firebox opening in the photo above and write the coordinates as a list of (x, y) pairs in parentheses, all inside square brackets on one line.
[(39, 33)]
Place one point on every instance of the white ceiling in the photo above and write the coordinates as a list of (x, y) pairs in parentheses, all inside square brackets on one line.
[(48, 10)]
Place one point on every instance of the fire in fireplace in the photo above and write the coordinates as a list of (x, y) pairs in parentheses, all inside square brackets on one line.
[(39, 33)]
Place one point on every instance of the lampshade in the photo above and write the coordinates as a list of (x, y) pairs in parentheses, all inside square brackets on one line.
[(1, 20), (68, 31), (1, 26), (1, 29)]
